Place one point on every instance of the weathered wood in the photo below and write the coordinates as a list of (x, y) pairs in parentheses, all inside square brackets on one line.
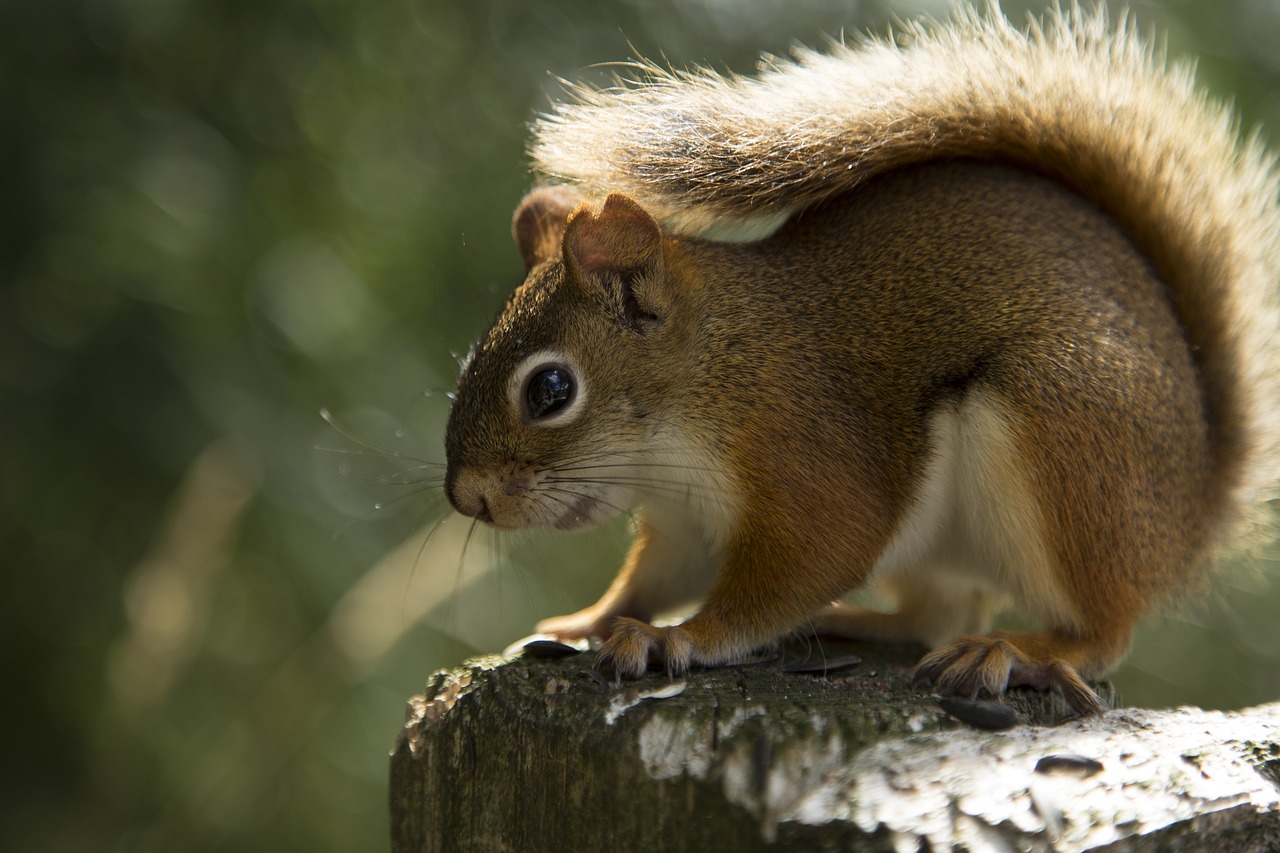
[(538, 754)]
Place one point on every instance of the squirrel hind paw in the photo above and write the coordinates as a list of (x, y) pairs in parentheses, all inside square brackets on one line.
[(992, 663), (634, 645)]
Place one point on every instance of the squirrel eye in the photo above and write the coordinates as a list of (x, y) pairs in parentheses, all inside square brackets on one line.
[(548, 391)]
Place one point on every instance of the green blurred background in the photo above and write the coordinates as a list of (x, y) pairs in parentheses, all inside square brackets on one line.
[(221, 217)]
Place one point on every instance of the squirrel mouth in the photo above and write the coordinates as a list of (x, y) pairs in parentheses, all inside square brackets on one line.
[(580, 515)]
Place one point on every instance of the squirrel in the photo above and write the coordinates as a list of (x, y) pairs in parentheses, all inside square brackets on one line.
[(977, 315)]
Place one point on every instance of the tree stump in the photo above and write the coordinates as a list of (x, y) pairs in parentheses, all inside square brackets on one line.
[(530, 754)]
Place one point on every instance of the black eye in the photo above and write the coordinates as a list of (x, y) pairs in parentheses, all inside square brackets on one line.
[(548, 391)]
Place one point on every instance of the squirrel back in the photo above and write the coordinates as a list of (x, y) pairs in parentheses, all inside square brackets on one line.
[(1092, 108)]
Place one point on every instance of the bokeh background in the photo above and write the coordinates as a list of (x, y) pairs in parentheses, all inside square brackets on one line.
[(220, 218)]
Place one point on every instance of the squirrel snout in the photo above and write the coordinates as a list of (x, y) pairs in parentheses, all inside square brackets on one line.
[(461, 492), (484, 513), (487, 496)]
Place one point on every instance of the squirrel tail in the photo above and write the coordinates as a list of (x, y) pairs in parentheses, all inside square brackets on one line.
[(1074, 98)]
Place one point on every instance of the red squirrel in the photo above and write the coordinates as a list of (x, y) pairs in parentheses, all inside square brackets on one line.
[(980, 316)]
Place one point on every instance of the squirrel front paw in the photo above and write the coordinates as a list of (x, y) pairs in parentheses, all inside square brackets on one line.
[(634, 645), (1002, 659), (586, 623)]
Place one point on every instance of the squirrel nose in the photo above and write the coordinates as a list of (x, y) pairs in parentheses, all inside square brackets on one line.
[(462, 500), (466, 493)]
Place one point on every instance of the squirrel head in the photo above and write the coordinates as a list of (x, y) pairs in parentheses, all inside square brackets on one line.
[(553, 407)]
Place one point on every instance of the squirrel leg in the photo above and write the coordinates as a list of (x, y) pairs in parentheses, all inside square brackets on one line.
[(953, 615), (738, 617), (1066, 563), (593, 621), (1085, 507), (623, 598), (934, 605), (999, 660), (663, 570), (703, 640)]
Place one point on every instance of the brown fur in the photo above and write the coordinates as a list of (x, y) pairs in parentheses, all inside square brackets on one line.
[(1011, 343)]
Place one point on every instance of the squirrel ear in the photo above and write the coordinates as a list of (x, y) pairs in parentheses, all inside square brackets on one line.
[(538, 224), (620, 247)]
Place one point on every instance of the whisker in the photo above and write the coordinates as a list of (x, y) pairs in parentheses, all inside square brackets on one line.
[(401, 478), (627, 480), (369, 445), (495, 583), (506, 559), (397, 479), (628, 458), (546, 493), (381, 505), (632, 464), (457, 581), (605, 454), (417, 560), (377, 507), (811, 638), (378, 454), (347, 451), (643, 484), (627, 512)]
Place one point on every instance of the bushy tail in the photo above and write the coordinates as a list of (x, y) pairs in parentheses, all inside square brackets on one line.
[(1076, 99)]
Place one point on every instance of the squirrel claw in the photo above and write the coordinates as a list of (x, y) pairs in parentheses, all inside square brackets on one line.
[(992, 664), (633, 645)]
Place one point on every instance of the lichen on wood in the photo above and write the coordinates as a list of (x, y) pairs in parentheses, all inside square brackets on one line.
[(541, 754)]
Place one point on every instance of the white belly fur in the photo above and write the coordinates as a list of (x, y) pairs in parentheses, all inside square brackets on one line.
[(975, 533)]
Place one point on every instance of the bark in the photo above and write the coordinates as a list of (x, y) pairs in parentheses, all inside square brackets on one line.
[(533, 754)]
